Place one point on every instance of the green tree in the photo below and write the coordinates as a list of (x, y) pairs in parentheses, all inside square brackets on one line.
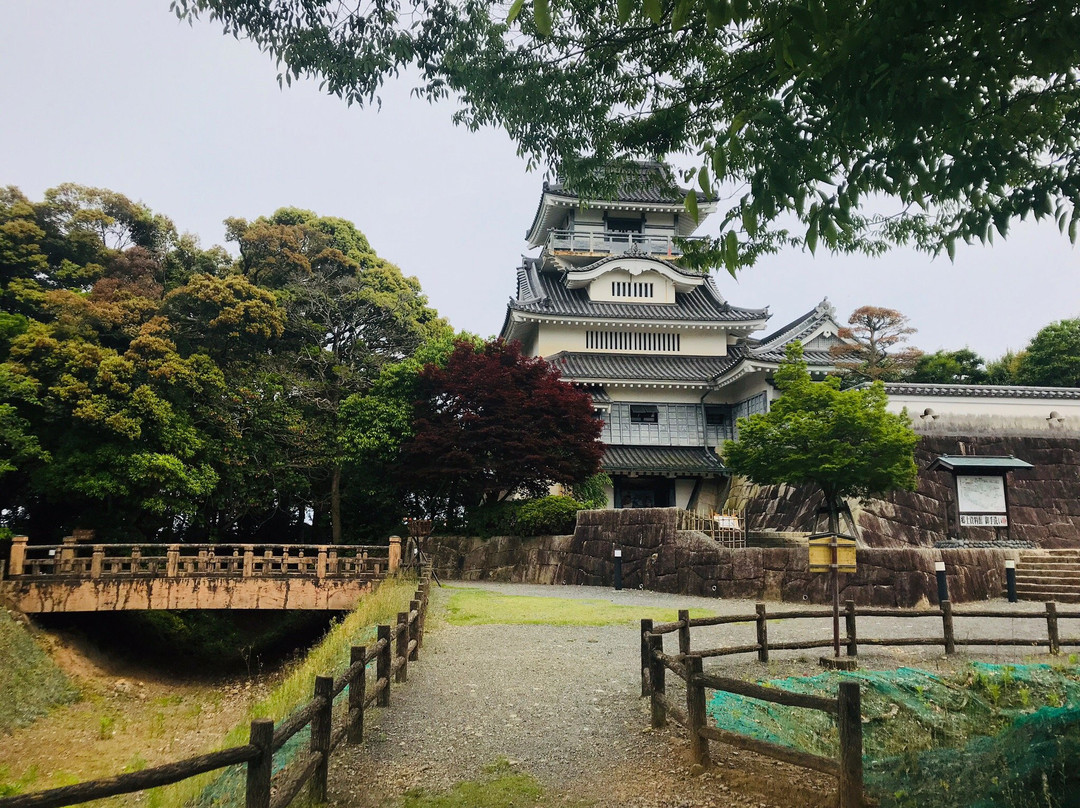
[(1053, 356), (955, 119), (950, 367), (842, 441), (1005, 369)]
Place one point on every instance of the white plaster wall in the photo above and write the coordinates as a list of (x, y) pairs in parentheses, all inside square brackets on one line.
[(555, 337), (663, 288), (654, 395), (980, 406), (684, 489)]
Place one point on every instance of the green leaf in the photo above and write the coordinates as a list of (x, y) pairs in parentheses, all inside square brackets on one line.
[(514, 11), (719, 162), (653, 10), (626, 8), (703, 180), (680, 14), (690, 203), (811, 236), (542, 16)]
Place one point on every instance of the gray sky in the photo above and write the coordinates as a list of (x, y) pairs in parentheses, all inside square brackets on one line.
[(119, 94)]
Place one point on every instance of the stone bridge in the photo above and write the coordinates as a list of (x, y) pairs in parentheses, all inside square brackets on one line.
[(83, 577)]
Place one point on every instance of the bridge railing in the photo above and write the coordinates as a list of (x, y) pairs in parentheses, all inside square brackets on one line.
[(95, 561)]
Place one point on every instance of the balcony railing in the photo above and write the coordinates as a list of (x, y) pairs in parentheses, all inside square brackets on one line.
[(585, 241)]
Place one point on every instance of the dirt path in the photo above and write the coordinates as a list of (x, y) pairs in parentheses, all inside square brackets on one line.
[(561, 704)]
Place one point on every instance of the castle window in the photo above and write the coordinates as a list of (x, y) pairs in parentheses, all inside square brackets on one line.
[(633, 289), (623, 225), (644, 414), (715, 416), (640, 341)]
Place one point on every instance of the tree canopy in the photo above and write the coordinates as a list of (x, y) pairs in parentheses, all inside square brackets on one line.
[(150, 388), (492, 423), (963, 366), (868, 123), (1053, 356), (872, 348), (843, 441)]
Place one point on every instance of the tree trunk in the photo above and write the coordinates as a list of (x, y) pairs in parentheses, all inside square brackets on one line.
[(335, 505)]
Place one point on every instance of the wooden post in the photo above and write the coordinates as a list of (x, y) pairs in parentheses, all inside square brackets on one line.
[(421, 595), (384, 664), (947, 625), (656, 680), (261, 769), (97, 561), (762, 634), (357, 694), (17, 562), (395, 554), (849, 722), (852, 639), (695, 711), (684, 631), (321, 724), (403, 646), (414, 630), (1052, 627), (646, 629)]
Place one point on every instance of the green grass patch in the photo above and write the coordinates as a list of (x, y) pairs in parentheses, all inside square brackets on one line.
[(476, 607), (30, 682), (502, 787)]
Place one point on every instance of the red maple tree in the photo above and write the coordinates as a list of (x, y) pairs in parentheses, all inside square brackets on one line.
[(493, 423)]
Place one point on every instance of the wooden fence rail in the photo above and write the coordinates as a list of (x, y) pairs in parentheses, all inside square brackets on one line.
[(263, 788), (852, 640), (687, 665), (847, 767)]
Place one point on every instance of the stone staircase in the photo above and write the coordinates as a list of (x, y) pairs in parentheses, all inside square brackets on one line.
[(1048, 575)]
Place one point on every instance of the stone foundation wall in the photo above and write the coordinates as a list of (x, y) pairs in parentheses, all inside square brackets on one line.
[(1044, 502), (658, 557)]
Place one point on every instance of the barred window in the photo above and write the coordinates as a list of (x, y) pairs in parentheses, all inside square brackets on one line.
[(656, 341)]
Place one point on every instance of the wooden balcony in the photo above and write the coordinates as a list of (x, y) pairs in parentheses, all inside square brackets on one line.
[(587, 242)]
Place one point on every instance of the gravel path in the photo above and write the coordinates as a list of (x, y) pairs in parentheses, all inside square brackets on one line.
[(563, 704)]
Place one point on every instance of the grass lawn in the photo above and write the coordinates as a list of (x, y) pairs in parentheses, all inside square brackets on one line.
[(477, 607)]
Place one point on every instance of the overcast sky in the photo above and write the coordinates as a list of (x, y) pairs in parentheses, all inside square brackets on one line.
[(119, 94)]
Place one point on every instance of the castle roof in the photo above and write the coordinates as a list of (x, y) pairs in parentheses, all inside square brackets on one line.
[(661, 460), (638, 185), (543, 292)]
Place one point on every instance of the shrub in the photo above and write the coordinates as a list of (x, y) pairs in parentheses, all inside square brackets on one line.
[(496, 519), (548, 516), (591, 492)]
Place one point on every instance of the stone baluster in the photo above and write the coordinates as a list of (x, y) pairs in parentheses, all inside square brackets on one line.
[(172, 561), (395, 554), (97, 561), (67, 555), (320, 563), (17, 562)]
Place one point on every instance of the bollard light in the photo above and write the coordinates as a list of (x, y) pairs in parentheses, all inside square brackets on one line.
[(942, 582), (618, 570), (1010, 580)]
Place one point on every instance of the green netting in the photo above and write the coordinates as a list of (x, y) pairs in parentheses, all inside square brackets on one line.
[(989, 736)]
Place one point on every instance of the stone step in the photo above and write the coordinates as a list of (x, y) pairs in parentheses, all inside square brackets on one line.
[(1023, 580), (1058, 597), (1049, 565), (1026, 555), (1065, 571), (1047, 592)]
